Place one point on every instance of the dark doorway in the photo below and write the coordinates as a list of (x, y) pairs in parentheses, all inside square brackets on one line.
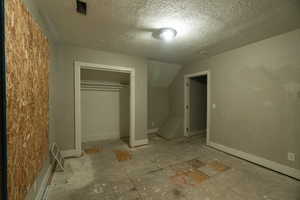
[(198, 106)]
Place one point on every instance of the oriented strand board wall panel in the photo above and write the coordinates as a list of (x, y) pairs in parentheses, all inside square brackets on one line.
[(27, 95)]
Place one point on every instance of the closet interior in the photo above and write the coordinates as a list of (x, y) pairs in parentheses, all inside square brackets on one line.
[(105, 105)]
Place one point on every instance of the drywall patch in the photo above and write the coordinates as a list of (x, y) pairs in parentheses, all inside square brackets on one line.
[(27, 97)]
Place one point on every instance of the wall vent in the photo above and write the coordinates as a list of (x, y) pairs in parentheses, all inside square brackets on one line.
[(81, 7)]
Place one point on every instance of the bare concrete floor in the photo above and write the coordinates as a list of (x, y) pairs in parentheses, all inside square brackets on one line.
[(179, 169)]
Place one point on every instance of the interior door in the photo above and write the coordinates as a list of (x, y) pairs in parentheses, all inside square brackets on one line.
[(187, 106)]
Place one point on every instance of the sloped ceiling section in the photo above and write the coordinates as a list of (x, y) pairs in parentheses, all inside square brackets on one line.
[(161, 74), (205, 27)]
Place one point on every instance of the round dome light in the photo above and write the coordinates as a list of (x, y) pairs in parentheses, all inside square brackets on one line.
[(165, 34)]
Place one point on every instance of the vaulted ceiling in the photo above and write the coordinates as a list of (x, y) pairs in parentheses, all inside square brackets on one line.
[(205, 27)]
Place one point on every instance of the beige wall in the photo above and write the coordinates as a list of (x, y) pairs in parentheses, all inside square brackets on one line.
[(256, 90), (158, 106), (64, 91), (160, 76)]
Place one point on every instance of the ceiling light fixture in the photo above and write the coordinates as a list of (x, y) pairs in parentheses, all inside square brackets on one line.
[(165, 34)]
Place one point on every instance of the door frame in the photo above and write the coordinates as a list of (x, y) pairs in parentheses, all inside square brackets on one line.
[(77, 78), (186, 105)]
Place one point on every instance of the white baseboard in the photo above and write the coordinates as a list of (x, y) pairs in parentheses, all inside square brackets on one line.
[(153, 130), (99, 137), (258, 160), (140, 142), (192, 133), (71, 153), (44, 183)]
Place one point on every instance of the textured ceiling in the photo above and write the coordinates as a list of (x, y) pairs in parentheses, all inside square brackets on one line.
[(205, 27)]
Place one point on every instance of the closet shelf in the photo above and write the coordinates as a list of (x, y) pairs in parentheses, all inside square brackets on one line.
[(101, 86)]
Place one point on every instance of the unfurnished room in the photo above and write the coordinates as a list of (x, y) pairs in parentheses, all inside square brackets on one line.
[(150, 100)]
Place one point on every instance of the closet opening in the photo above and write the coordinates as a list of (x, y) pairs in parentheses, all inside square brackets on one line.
[(104, 104)]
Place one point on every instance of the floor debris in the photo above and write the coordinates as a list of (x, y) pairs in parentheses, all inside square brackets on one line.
[(218, 166), (194, 172), (93, 150), (98, 189), (180, 178), (156, 170), (195, 163), (189, 178), (167, 171), (197, 176), (123, 155)]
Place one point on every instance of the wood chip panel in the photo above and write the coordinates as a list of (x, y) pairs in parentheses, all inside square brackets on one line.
[(27, 95)]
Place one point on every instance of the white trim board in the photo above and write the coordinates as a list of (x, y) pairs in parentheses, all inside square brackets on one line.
[(141, 142), (153, 130), (44, 183), (186, 111), (92, 138), (192, 133), (82, 65), (74, 153), (71, 153), (295, 173)]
